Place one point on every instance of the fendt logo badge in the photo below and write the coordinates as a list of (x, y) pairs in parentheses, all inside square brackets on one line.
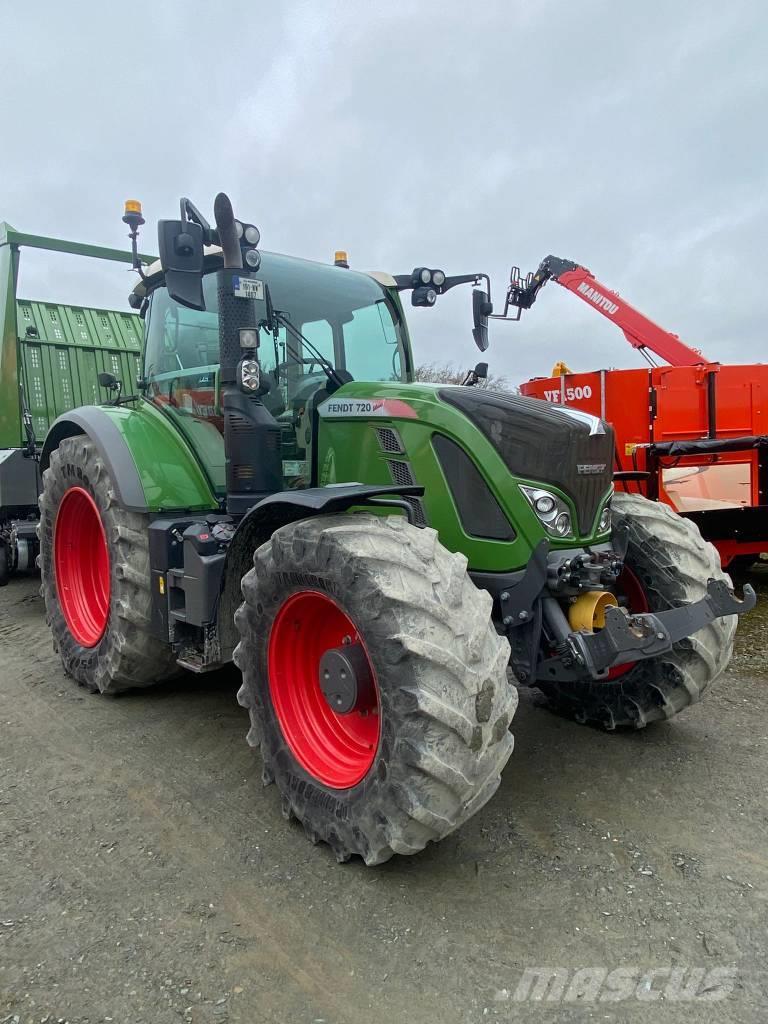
[(599, 300), (590, 468)]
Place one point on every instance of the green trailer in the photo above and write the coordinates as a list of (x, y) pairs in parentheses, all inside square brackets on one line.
[(51, 356)]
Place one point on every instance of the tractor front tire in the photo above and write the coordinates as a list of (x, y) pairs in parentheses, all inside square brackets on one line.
[(669, 564), (424, 747), (94, 563)]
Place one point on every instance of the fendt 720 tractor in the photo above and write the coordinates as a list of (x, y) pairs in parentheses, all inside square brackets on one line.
[(374, 554)]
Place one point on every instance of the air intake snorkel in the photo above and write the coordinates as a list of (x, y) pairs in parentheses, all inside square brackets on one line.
[(252, 436)]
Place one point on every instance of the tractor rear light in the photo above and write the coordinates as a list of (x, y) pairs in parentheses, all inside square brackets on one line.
[(551, 511)]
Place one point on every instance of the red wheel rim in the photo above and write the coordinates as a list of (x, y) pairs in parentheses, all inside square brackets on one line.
[(337, 750), (630, 587), (81, 559)]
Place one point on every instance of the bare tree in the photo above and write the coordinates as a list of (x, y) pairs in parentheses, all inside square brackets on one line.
[(447, 373)]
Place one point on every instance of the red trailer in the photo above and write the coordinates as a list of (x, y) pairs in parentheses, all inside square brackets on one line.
[(693, 433)]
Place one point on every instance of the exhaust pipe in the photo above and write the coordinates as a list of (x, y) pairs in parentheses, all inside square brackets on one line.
[(252, 436)]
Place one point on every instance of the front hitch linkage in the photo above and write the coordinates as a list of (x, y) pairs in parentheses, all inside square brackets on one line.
[(627, 638)]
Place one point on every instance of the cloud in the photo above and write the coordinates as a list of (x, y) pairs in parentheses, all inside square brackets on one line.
[(625, 137)]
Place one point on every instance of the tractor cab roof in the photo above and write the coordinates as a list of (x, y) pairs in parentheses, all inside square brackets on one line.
[(153, 274)]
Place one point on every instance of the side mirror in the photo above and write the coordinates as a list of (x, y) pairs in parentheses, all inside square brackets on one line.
[(108, 381), (181, 257), (481, 310), (479, 373)]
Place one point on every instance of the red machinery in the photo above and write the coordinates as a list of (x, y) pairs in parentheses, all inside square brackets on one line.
[(692, 433)]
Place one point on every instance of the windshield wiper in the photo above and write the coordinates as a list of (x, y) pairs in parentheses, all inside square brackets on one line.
[(335, 377)]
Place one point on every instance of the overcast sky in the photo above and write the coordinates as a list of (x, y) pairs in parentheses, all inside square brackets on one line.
[(628, 137)]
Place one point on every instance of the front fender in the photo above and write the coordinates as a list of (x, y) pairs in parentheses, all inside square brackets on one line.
[(277, 510), (152, 467)]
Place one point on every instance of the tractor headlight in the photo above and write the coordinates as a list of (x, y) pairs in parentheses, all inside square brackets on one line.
[(544, 504), (250, 378), (551, 511), (423, 297), (604, 523), (425, 276), (253, 258), (438, 278), (563, 524), (252, 234)]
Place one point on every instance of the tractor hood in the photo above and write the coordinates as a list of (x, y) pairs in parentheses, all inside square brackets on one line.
[(546, 443)]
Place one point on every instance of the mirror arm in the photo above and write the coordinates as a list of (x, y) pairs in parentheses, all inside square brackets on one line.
[(190, 212), (404, 282), (451, 282)]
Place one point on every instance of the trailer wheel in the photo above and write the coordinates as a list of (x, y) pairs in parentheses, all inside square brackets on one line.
[(94, 562), (375, 682), (668, 565)]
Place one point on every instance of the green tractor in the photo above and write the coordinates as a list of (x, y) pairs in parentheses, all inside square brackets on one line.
[(383, 560)]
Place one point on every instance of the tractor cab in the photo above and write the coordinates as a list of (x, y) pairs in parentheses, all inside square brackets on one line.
[(341, 318)]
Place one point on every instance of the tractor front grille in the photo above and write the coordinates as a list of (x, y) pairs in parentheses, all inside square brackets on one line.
[(545, 444)]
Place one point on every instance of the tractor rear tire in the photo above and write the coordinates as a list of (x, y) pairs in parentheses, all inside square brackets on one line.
[(99, 611), (427, 749), (670, 562)]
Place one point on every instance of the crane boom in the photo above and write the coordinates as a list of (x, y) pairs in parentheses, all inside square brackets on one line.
[(641, 332)]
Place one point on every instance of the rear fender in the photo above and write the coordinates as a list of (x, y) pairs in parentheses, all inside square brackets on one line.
[(152, 467)]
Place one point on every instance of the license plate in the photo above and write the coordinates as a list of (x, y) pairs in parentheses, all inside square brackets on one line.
[(248, 288)]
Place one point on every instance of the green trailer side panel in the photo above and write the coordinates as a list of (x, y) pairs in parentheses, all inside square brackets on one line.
[(63, 350), (55, 381)]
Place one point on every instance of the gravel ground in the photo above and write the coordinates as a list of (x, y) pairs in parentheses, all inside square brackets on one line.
[(146, 877)]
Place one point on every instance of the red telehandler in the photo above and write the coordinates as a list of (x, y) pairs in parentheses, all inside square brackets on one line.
[(691, 433)]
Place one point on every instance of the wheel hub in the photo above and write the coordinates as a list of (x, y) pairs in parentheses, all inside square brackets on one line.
[(346, 680)]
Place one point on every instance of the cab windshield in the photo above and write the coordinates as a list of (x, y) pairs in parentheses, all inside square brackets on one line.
[(347, 317)]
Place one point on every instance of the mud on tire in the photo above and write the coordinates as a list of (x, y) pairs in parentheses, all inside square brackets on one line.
[(440, 667), (673, 563), (127, 656)]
